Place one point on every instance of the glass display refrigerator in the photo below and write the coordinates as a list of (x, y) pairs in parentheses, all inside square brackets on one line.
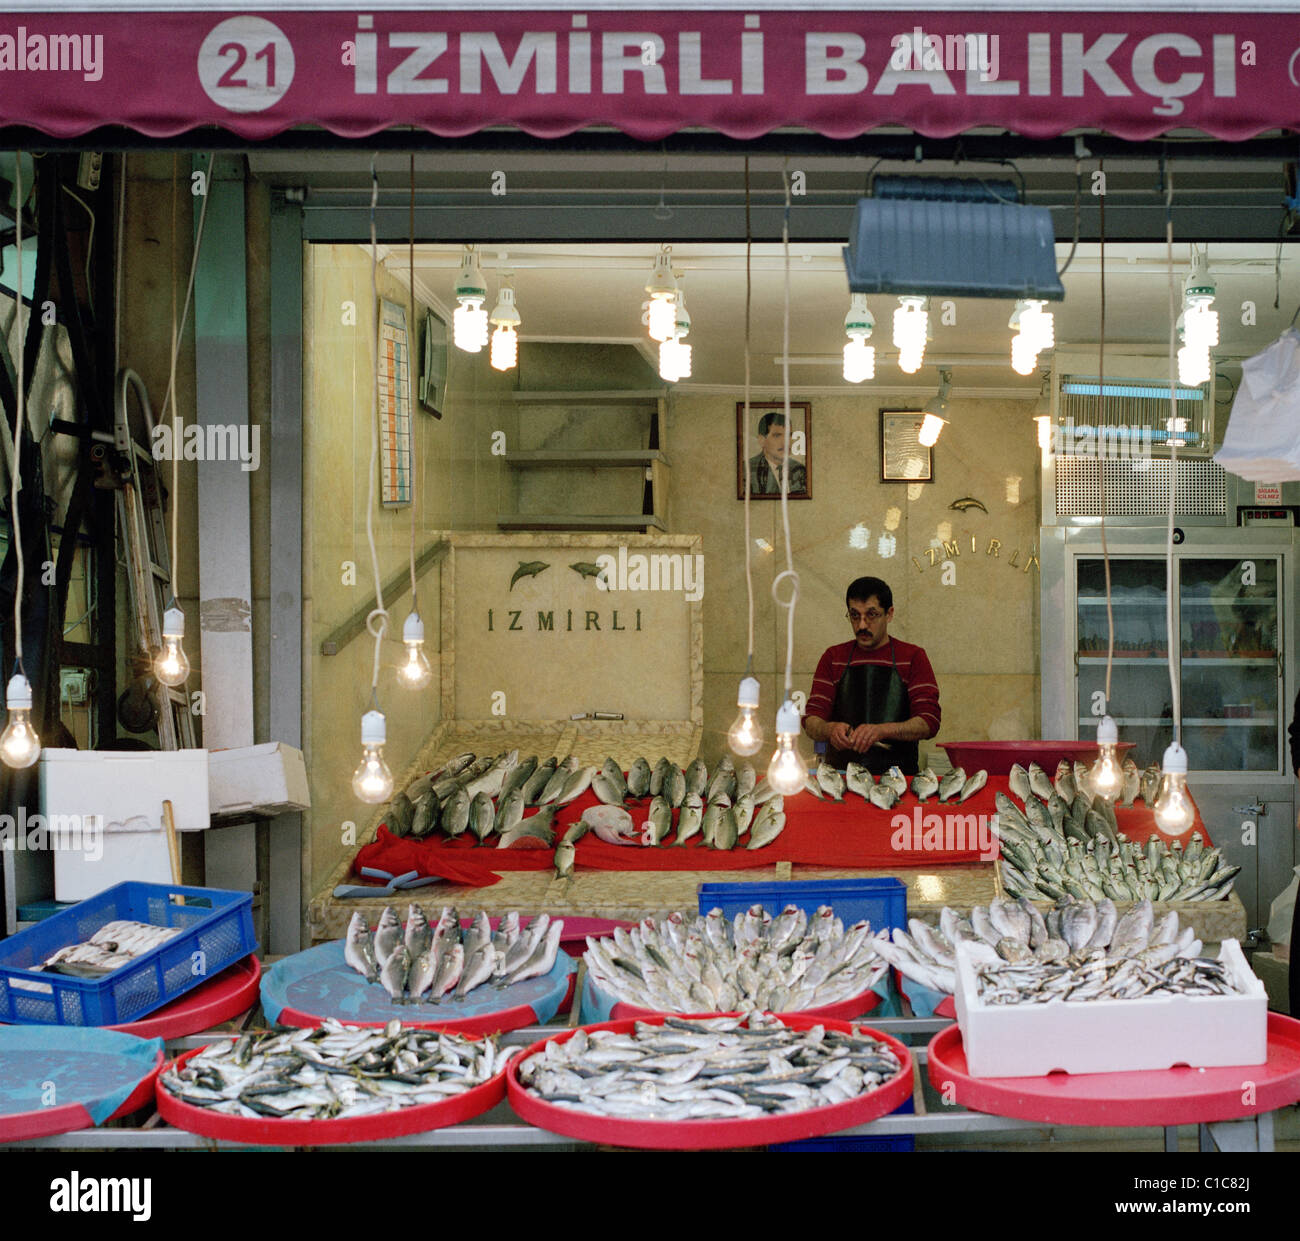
[(1232, 599)]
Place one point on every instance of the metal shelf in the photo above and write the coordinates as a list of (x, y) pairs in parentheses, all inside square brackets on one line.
[(580, 521), (609, 458)]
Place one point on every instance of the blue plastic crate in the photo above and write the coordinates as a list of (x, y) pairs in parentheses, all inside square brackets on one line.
[(902, 1142), (883, 902), (217, 924)]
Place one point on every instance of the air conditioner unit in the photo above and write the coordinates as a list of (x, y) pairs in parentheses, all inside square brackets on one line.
[(1109, 446)]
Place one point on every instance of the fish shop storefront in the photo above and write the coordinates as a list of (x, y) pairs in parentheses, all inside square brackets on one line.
[(453, 375)]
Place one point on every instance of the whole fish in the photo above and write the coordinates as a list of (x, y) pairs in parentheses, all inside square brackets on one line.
[(419, 934), (895, 779), (1019, 782), (476, 971), (746, 779), (388, 935), (690, 819), (925, 784), (674, 786), (1063, 781), (638, 779), (425, 819), (613, 774), (1039, 784), (883, 795), (518, 776), (575, 786), (657, 777), (420, 978), (537, 828), (744, 812), (658, 823), (612, 824), (973, 785), (766, 828), (555, 783), (723, 779), (536, 784), (541, 959), (1083, 779), (727, 830), (510, 811), (1132, 782), (359, 949), (709, 824), (400, 815), (455, 814), (492, 780), (858, 779), (605, 789), (952, 784), (565, 857), (394, 973), (830, 780), (697, 778), (482, 815), (450, 965), (1149, 784)]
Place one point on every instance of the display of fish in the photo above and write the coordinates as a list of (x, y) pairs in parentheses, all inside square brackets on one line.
[(674, 786), (611, 793), (1019, 781), (428, 810), (1039, 785), (638, 779), (720, 1068), (1149, 784), (686, 963), (883, 795), (858, 779), (768, 825), (659, 821), (429, 962), (114, 945), (536, 784), (1084, 941), (333, 1071), (1132, 785), (1063, 781), (690, 819), (518, 776), (612, 824), (697, 778)]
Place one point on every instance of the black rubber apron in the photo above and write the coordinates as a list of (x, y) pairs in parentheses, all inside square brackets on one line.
[(874, 694)]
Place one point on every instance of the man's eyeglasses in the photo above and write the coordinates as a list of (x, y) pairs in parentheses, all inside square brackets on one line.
[(871, 616)]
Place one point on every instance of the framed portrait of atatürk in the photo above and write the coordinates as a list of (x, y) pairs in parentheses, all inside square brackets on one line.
[(776, 444)]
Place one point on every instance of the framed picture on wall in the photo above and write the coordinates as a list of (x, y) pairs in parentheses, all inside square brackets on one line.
[(770, 440), (433, 363), (903, 458)]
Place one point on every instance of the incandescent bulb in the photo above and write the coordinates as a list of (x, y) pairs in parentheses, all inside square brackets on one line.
[(19, 744), (372, 781), (1106, 776), (1174, 811), (745, 736), (170, 665), (415, 672), (786, 772)]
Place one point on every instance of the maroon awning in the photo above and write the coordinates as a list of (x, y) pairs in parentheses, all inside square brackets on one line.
[(648, 73)]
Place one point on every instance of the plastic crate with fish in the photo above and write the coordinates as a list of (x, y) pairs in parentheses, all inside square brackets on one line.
[(213, 929)]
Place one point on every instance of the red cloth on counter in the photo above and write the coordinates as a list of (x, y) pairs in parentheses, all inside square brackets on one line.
[(852, 834)]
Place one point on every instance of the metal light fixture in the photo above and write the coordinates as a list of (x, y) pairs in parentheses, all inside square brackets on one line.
[(505, 318), (470, 320), (859, 357)]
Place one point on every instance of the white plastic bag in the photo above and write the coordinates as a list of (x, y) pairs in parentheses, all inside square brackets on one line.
[(1262, 441), (1282, 910)]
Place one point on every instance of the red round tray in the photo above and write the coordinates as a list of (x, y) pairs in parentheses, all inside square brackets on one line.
[(711, 1134), (230, 993), (266, 1131), (1179, 1096), (68, 1117), (472, 1027), (845, 1010), (998, 757)]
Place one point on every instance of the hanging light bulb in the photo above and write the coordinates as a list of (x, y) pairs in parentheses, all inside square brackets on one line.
[(928, 435), (1193, 366), (745, 736), (1174, 811), (859, 357), (1038, 324), (19, 744), (663, 297), (505, 340), (1201, 323), (674, 353), (171, 666), (372, 781), (470, 320), (1024, 358), (786, 772), (416, 672), (1044, 422), (935, 410), (911, 329), (1106, 776)]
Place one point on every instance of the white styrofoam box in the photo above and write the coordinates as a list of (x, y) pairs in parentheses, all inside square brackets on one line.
[(1109, 1036), (258, 779), (126, 790)]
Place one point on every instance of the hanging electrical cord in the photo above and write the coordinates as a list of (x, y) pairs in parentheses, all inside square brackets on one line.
[(786, 772), (19, 745), (117, 271), (745, 735), (1078, 199), (1173, 809), (171, 666), (416, 672), (1106, 775), (373, 781)]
